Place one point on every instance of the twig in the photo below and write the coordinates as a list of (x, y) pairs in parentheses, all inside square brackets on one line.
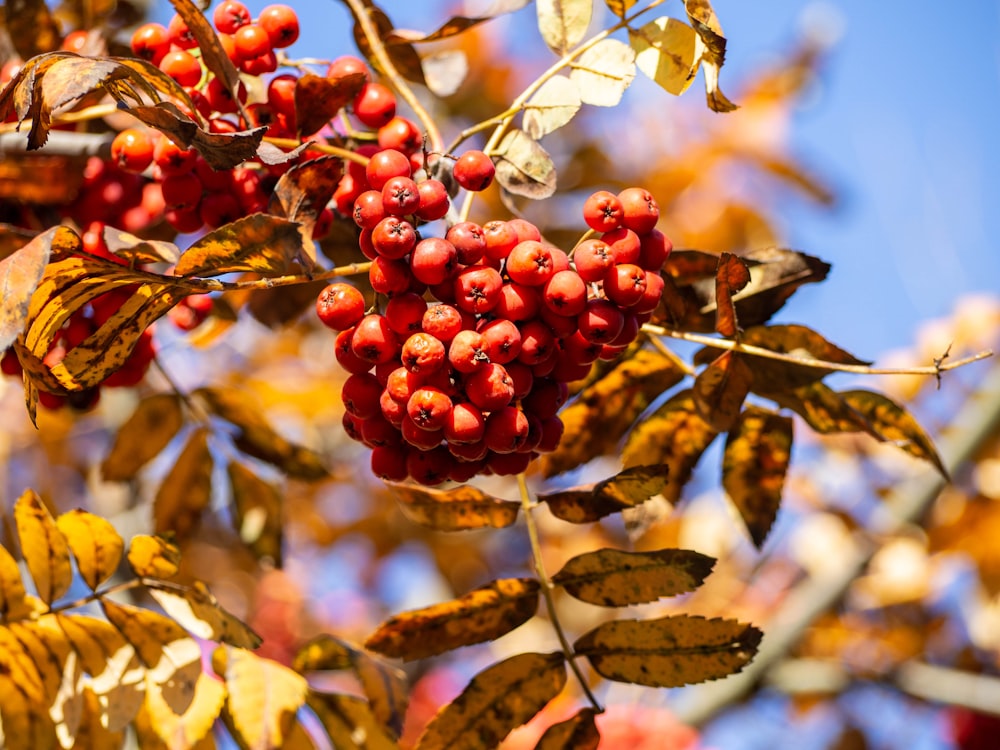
[(667, 352), (323, 148), (96, 595)]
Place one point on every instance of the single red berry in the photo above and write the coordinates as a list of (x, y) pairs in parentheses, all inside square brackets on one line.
[(347, 65), (385, 165), (465, 424), (552, 432), (185, 221), (429, 407), (360, 394), (230, 15), (442, 321), (474, 171), (625, 284), (393, 237), (434, 201), (151, 42), (219, 209), (400, 134), (251, 41), (389, 463), (624, 243), (260, 65), (400, 196), (652, 295), (340, 306), (565, 293), (473, 453), (546, 398), (429, 467), (373, 340), (530, 263), (593, 259), (433, 260), (603, 211), (640, 210), (507, 464), (281, 24), (281, 94), (132, 150), (478, 289), (468, 352), (503, 340), (490, 387), (654, 250), (375, 105), (422, 353), (537, 342), (182, 66), (368, 209), (500, 238), (524, 230), (467, 237), (181, 191), (180, 35), (346, 357), (405, 313), (506, 430), (346, 193), (518, 302), (390, 277), (601, 321)]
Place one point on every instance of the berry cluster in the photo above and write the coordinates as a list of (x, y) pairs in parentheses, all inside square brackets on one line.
[(466, 366)]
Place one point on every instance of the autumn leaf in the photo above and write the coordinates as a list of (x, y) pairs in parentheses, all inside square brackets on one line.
[(91, 732), (182, 708), (614, 578), (552, 106), (712, 51), (13, 598), (523, 167), (456, 24), (101, 648), (186, 491), (628, 488), (459, 509), (731, 277), (604, 72), (21, 692), (261, 243), (31, 27), (667, 51), (257, 512), (303, 192), (43, 546), (345, 718), (620, 7), (20, 274), (483, 614), (579, 732), (720, 389), (319, 99), (212, 53), (445, 71), (153, 557), (823, 409), (496, 701), (197, 611), (96, 546), (150, 633), (670, 651), (563, 23), (402, 54), (150, 428), (59, 675), (136, 250), (754, 465)]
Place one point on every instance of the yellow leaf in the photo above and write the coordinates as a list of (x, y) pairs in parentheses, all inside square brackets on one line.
[(345, 718), (670, 651), (462, 508), (13, 598), (497, 700), (563, 23), (22, 725), (186, 730), (614, 578), (186, 490), (151, 427), (483, 614), (551, 107), (95, 544), (628, 488), (620, 7), (264, 697), (257, 512), (153, 557), (43, 546), (668, 51), (48, 650), (148, 632), (91, 734), (523, 167), (261, 243), (200, 613), (603, 72), (96, 642), (579, 732)]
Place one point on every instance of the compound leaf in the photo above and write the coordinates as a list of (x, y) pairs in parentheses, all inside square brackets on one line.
[(95, 545), (45, 550), (603, 72), (150, 633), (153, 424), (460, 509)]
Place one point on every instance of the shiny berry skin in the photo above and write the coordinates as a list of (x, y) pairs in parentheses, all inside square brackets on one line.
[(640, 210), (405, 313), (506, 430), (180, 35), (434, 201), (652, 294), (593, 259), (390, 277), (258, 66), (393, 237), (132, 150), (467, 237), (389, 463), (601, 321), (182, 66), (360, 394), (400, 196), (478, 289), (385, 165), (524, 230), (251, 41), (429, 467), (422, 353), (441, 321), (281, 94), (624, 243), (500, 238), (375, 105), (503, 340), (518, 302), (433, 260), (625, 284), (530, 263), (468, 352), (429, 407), (465, 424), (537, 342), (368, 209), (490, 387), (281, 24), (181, 190), (603, 211), (230, 15), (474, 171), (151, 42), (655, 248), (347, 65), (340, 306), (346, 357), (373, 340), (565, 293), (400, 134)]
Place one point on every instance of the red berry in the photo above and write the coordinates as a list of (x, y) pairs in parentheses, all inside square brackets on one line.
[(181, 191), (385, 165), (474, 170), (340, 306), (537, 342), (443, 322), (360, 394), (151, 42), (393, 237), (478, 289), (405, 313), (565, 293), (468, 352), (434, 201), (258, 66), (281, 24), (640, 210), (603, 211), (230, 15), (524, 230), (490, 387), (530, 263), (593, 259), (652, 294), (251, 41), (465, 424), (503, 340), (429, 407), (518, 302), (467, 237), (654, 250), (368, 209), (375, 106), (400, 196), (506, 430), (281, 94), (219, 209), (180, 35), (346, 357), (601, 321), (429, 467), (400, 134), (624, 243), (422, 353), (389, 463), (182, 66), (373, 340), (132, 150), (433, 260), (345, 66), (500, 238), (390, 277), (625, 284)]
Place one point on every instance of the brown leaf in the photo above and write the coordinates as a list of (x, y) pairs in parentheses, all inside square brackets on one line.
[(721, 388), (754, 464), (628, 488), (496, 701), (96, 546), (402, 54), (186, 490), (182, 706), (523, 167), (319, 99), (136, 250), (303, 192), (670, 651), (456, 24), (459, 509), (91, 733), (282, 305), (614, 578), (257, 512), (43, 546), (212, 54), (256, 436), (667, 51), (563, 23), (731, 277), (345, 718), (47, 179), (30, 27), (603, 72), (20, 274), (483, 614), (262, 243), (674, 435), (713, 53), (153, 557), (153, 424), (598, 418), (823, 409), (197, 611), (579, 732)]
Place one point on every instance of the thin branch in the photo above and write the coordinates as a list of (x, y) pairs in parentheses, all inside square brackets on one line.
[(667, 352), (323, 148), (546, 583), (96, 595)]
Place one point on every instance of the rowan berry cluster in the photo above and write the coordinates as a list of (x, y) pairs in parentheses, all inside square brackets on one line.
[(466, 366)]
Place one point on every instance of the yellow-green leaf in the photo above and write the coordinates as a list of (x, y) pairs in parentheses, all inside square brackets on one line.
[(43, 546), (483, 614), (603, 72), (628, 488), (667, 50), (13, 598), (670, 651), (345, 718), (551, 107), (95, 544), (186, 490), (153, 557), (261, 243), (523, 167), (197, 611), (614, 578), (579, 732), (563, 23), (754, 465), (257, 512), (153, 424), (462, 508), (496, 701)]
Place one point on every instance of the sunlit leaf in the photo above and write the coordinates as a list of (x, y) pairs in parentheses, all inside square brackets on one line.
[(95, 545), (483, 614), (674, 435), (212, 53), (186, 727), (445, 71), (260, 242), (496, 701), (31, 27), (523, 167), (459, 509), (186, 490), (153, 424), (25, 727), (13, 598), (45, 550), (197, 611), (48, 179), (720, 389), (620, 7), (754, 464), (149, 632), (404, 57), (563, 23), (731, 277), (102, 649), (614, 578), (457, 24), (319, 99), (302, 193), (823, 409), (579, 732), (667, 51), (551, 107), (130, 248), (628, 488), (346, 717), (91, 733), (712, 53), (670, 651), (603, 72), (600, 415), (20, 274), (256, 511), (153, 557)]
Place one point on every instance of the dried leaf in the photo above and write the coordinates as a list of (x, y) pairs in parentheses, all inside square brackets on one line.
[(673, 435), (260, 242), (497, 700), (626, 489), (603, 72), (202, 700), (670, 651), (153, 424), (579, 732), (345, 718), (153, 557), (613, 578), (263, 698), (136, 250), (149, 633), (257, 512), (731, 277), (821, 407), (551, 107), (13, 598), (319, 99), (667, 51), (456, 24), (721, 388), (712, 51), (212, 53), (754, 465), (47, 179), (459, 509), (445, 71), (601, 414), (186, 490), (95, 544), (483, 614), (31, 27), (303, 192), (523, 167), (20, 274), (256, 436), (620, 7), (404, 57), (197, 611), (43, 546), (563, 23)]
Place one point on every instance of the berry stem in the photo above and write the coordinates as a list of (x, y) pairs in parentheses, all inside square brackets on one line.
[(536, 553), (323, 148)]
